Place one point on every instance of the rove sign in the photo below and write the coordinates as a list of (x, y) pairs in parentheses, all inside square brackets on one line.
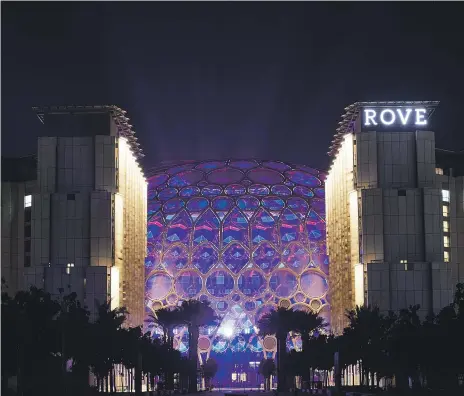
[(394, 116)]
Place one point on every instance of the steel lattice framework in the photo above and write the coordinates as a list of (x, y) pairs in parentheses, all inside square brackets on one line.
[(248, 235)]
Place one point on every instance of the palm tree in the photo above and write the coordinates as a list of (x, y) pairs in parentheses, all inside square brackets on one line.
[(167, 318), (279, 323), (169, 364), (295, 364), (183, 368), (307, 323), (367, 330), (30, 338), (195, 314), (404, 345), (209, 369), (129, 352), (151, 358), (349, 355), (328, 343), (318, 356), (104, 341), (266, 369), (442, 361), (74, 329), (11, 340)]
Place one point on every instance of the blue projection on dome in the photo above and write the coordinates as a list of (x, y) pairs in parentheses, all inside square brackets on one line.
[(248, 235)]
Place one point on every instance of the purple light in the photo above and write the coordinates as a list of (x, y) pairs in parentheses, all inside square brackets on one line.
[(241, 233)]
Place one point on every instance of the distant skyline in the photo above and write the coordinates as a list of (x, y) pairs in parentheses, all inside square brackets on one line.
[(215, 80)]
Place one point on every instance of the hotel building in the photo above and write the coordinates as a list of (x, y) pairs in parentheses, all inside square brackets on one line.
[(394, 211), (86, 211)]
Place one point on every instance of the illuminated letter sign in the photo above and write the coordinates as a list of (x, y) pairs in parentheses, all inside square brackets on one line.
[(386, 116)]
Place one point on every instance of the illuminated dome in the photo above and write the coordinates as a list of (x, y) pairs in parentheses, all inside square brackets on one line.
[(247, 235)]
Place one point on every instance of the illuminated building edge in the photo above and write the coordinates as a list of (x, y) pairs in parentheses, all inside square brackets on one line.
[(87, 210), (386, 236)]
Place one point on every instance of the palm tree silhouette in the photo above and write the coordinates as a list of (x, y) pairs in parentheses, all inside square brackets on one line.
[(195, 314), (209, 369), (307, 323), (266, 369), (167, 318), (279, 323)]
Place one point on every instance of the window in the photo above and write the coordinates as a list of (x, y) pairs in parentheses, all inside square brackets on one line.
[(27, 261), (445, 210), (405, 262), (71, 197), (28, 201), (446, 257), (446, 241), (439, 171), (27, 231), (446, 226), (27, 246), (446, 195), (401, 193)]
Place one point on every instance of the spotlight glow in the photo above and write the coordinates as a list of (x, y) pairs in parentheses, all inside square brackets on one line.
[(227, 328), (228, 331)]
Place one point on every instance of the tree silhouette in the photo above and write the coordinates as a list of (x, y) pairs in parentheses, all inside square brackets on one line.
[(73, 327), (279, 323), (40, 334), (195, 314), (267, 368), (308, 324), (167, 318), (32, 340), (404, 346), (366, 332), (296, 365), (104, 340), (209, 370)]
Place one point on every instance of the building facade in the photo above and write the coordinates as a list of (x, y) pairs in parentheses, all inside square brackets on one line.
[(386, 240), (88, 209), (19, 182), (450, 179)]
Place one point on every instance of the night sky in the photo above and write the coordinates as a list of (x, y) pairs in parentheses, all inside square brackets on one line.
[(215, 79)]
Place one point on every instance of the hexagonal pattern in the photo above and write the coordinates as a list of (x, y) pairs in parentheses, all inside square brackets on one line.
[(248, 235)]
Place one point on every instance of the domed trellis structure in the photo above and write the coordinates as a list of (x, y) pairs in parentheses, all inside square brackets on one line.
[(247, 235)]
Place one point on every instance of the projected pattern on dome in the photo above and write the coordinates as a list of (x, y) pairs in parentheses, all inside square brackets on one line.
[(247, 235)]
